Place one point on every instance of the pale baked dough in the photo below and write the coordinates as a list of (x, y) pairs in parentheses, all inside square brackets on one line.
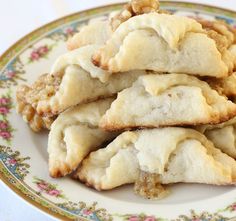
[(222, 135), (167, 99), (75, 80), (74, 134), (82, 58), (232, 49), (164, 43), (96, 32), (174, 154), (225, 86)]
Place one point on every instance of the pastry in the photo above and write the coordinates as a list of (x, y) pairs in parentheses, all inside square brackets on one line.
[(232, 49), (157, 100), (74, 81), (225, 86), (225, 38), (96, 32), (74, 134), (222, 135), (162, 156), (82, 58), (163, 43)]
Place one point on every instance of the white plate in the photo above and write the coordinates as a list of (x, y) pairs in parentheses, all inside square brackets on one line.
[(23, 164)]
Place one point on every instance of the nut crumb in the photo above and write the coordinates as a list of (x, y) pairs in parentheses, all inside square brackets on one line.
[(148, 186), (133, 8), (28, 97)]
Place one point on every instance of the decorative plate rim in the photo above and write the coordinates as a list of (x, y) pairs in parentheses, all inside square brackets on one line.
[(5, 175)]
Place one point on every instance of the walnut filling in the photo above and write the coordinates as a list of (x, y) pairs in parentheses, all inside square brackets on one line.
[(222, 43), (225, 86), (220, 32), (221, 28), (44, 87), (144, 6), (33, 94), (135, 7), (148, 186)]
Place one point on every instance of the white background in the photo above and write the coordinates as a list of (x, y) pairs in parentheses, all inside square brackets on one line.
[(19, 17)]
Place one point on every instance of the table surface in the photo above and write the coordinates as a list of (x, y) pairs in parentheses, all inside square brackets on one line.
[(19, 18)]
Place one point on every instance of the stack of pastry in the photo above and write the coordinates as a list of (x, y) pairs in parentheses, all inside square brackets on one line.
[(145, 97)]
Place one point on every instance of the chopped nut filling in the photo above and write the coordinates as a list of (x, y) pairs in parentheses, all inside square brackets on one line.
[(25, 95), (135, 7), (148, 186)]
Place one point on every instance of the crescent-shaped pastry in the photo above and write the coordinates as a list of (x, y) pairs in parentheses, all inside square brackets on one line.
[(96, 32), (225, 86), (165, 100), (172, 155), (74, 134), (75, 80), (82, 58), (222, 135), (163, 43)]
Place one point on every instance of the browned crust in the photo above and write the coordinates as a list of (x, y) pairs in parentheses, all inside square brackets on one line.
[(131, 9), (78, 175), (97, 61), (215, 120), (213, 31), (220, 86), (60, 170), (50, 113), (212, 25)]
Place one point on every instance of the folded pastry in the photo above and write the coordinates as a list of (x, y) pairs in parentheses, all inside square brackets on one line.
[(225, 86), (154, 157), (232, 49), (29, 114), (222, 135), (75, 80), (82, 58), (74, 134), (163, 43), (96, 32), (225, 38), (167, 99), (220, 31)]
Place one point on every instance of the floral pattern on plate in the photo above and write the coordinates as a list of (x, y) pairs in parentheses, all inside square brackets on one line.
[(47, 188), (6, 130), (14, 162), (39, 52)]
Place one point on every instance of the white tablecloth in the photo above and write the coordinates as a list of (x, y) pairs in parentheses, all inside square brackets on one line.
[(19, 17)]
